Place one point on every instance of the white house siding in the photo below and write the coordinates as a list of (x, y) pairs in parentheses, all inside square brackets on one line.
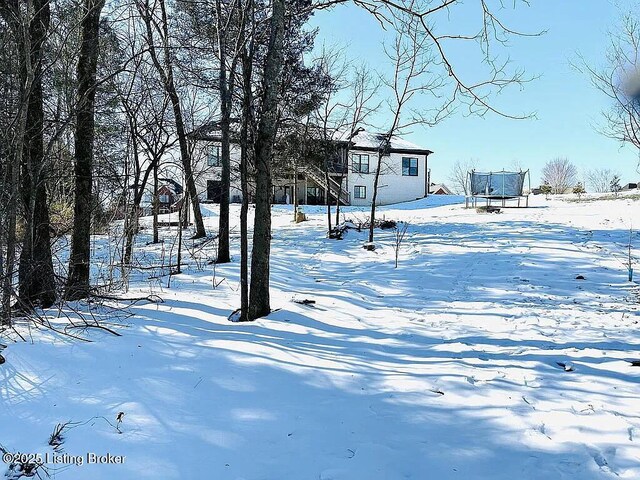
[(203, 172), (393, 187)]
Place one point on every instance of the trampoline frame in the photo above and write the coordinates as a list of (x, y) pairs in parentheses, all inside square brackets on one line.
[(471, 201)]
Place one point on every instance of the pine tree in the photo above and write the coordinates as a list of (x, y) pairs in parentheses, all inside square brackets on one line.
[(614, 186)]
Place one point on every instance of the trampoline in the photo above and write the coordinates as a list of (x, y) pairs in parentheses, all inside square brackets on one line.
[(497, 186)]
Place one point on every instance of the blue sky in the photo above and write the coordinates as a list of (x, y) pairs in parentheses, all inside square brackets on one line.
[(568, 108)]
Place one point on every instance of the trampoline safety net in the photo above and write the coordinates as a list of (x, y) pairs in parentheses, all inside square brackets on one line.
[(497, 184)]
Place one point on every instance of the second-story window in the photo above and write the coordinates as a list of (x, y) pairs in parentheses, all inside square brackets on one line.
[(213, 156), (360, 163)]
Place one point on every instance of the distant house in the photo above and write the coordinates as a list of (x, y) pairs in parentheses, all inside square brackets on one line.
[(439, 189), (629, 186), (169, 197), (404, 172)]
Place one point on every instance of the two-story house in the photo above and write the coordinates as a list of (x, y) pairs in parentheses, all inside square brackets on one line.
[(403, 176), (404, 173)]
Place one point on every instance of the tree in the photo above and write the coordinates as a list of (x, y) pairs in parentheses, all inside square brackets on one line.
[(400, 233), (259, 297), (459, 175), (228, 55), (246, 158), (619, 80), (559, 173), (363, 91), (217, 24), (145, 108), (348, 102), (30, 28), (288, 94), (579, 190), (331, 120), (546, 189), (516, 164), (14, 117), (79, 257), (599, 179), (614, 185), (156, 25), (411, 56)]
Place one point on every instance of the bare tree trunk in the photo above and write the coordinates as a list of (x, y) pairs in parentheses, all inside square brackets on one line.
[(156, 203), (223, 220), (338, 201), (295, 191), (13, 165), (79, 258), (181, 214), (326, 177), (4, 318), (374, 198), (259, 302), (225, 86), (131, 220), (247, 100), (36, 277), (11, 212), (131, 228)]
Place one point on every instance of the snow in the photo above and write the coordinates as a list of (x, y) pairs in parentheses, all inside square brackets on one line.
[(452, 366), (371, 140)]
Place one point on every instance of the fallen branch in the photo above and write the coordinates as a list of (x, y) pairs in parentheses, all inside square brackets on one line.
[(95, 325), (141, 267), (304, 301), (149, 298)]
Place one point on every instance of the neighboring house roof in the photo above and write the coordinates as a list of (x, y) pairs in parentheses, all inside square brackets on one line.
[(174, 186), (439, 189), (630, 186)]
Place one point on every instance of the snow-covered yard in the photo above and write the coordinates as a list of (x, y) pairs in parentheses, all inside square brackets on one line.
[(480, 357)]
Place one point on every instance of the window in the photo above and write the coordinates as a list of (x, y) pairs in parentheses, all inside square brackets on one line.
[(164, 198), (213, 156), (315, 196), (214, 190), (360, 163), (409, 167), (359, 192)]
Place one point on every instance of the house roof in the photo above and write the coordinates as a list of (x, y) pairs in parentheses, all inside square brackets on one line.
[(174, 186), (211, 130), (440, 186), (364, 140)]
